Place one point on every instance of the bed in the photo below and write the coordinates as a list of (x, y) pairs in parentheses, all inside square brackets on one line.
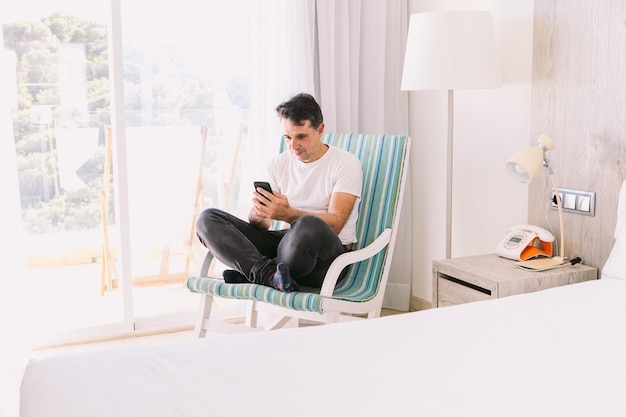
[(557, 352)]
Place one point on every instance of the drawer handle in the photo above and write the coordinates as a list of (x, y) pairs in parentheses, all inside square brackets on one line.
[(466, 284)]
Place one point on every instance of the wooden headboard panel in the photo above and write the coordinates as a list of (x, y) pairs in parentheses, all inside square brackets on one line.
[(579, 99)]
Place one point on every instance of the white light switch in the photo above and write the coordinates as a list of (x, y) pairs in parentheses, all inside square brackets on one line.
[(583, 203), (569, 202)]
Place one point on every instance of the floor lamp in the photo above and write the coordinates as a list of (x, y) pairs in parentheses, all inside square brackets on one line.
[(450, 50)]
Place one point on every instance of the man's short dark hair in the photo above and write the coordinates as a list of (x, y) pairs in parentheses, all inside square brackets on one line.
[(299, 109)]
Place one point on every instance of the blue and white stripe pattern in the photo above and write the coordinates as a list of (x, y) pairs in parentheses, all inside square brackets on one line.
[(383, 158)]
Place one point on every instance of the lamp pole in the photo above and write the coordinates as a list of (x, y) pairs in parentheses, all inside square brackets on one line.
[(449, 173)]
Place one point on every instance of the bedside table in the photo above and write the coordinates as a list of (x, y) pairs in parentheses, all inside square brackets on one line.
[(483, 277)]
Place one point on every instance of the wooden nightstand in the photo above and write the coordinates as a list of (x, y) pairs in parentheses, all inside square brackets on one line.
[(482, 277)]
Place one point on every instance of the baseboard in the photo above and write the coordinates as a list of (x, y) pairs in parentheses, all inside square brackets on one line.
[(418, 304)]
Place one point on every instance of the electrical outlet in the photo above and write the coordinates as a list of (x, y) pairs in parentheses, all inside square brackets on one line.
[(575, 201)]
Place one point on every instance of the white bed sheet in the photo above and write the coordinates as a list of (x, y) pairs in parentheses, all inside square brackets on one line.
[(558, 352)]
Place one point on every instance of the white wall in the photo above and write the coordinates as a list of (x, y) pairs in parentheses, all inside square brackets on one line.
[(489, 126)]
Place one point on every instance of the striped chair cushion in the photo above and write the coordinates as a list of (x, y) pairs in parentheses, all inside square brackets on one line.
[(382, 158)]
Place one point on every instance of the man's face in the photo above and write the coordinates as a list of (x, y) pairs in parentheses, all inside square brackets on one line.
[(304, 141)]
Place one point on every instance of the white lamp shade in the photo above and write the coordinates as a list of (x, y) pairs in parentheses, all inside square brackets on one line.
[(524, 165), (451, 50)]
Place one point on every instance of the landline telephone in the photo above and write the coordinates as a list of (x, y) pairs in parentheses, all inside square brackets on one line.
[(524, 242)]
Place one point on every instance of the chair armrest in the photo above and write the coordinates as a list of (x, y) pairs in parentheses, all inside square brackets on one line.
[(349, 258)]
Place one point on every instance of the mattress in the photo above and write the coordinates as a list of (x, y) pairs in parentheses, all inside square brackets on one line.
[(558, 352)]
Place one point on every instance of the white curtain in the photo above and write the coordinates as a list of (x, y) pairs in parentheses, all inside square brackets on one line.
[(361, 51), (281, 65), (13, 285), (349, 55)]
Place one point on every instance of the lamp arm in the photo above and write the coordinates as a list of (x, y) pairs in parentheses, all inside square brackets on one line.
[(559, 204)]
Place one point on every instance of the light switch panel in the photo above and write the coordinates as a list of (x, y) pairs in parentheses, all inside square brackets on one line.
[(575, 201)]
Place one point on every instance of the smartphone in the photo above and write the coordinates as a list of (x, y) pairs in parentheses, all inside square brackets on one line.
[(263, 184)]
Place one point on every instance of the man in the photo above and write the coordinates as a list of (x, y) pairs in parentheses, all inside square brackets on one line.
[(315, 189)]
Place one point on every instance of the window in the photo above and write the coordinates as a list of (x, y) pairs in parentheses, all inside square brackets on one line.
[(185, 80)]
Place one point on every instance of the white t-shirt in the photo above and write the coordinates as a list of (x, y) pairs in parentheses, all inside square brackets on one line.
[(309, 186)]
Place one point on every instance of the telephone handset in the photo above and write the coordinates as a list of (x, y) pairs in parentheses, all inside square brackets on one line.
[(524, 242)]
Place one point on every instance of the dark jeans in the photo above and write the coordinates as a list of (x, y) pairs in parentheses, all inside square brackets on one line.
[(308, 247)]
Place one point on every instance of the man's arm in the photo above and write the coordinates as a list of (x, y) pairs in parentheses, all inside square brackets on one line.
[(276, 206), (339, 209)]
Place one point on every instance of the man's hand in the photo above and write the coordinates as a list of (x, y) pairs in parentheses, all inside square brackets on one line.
[(270, 205), (266, 207)]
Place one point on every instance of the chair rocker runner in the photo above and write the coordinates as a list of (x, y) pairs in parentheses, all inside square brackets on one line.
[(385, 160)]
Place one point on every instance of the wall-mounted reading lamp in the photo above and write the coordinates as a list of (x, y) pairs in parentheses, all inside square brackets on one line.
[(523, 167)]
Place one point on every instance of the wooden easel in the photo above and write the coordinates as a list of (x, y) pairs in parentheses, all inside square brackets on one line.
[(226, 185), (187, 246), (109, 275), (108, 278), (197, 203)]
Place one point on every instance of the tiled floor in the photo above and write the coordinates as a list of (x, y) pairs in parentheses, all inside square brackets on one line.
[(69, 297)]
